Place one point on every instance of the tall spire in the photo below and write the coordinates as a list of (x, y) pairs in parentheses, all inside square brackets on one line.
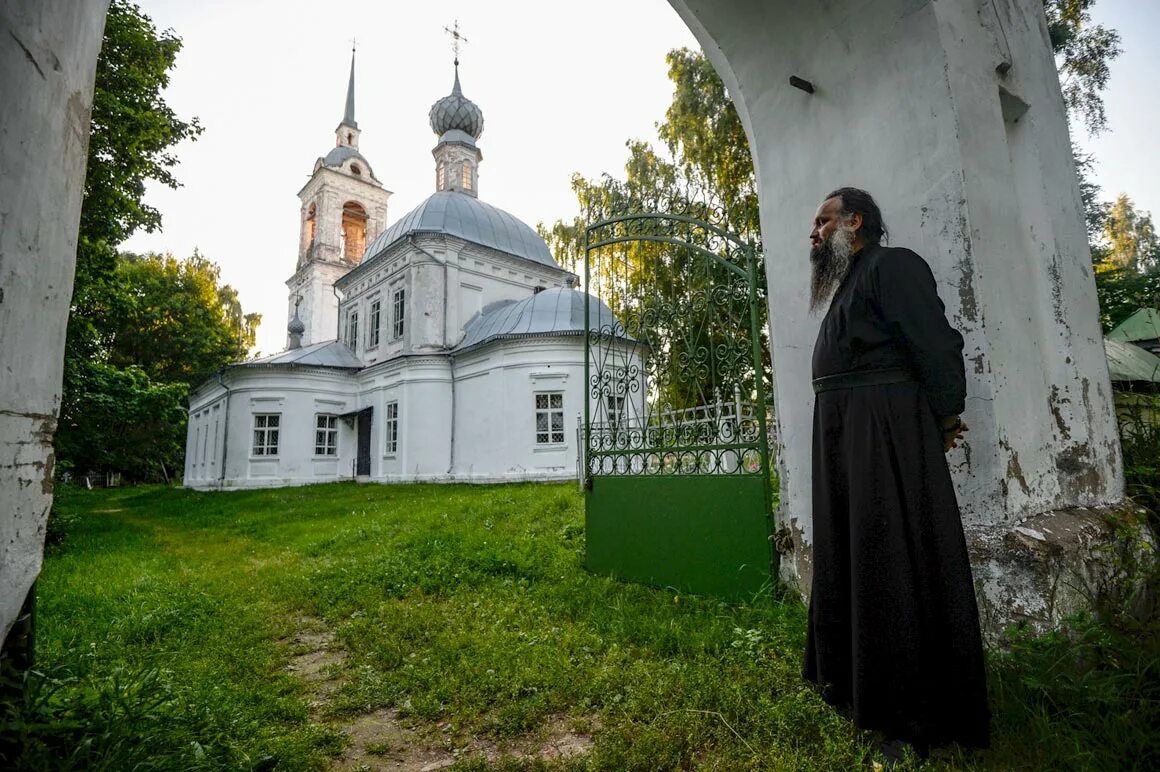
[(348, 117)]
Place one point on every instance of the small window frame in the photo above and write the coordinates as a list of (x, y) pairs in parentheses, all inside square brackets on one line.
[(266, 435), (325, 435), (550, 406), (391, 428)]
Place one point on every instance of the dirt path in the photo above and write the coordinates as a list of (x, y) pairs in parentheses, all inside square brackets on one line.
[(380, 741)]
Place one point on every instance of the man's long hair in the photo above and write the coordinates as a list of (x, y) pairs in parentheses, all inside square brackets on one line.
[(857, 201)]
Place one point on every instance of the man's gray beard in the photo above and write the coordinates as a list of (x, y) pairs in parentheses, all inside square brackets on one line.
[(829, 263)]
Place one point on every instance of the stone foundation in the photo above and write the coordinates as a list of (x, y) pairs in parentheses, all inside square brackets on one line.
[(1054, 564)]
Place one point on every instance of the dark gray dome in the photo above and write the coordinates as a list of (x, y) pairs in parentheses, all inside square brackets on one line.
[(558, 311), (470, 219), (456, 111), (296, 327), (340, 154)]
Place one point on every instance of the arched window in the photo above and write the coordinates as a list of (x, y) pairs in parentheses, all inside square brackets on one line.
[(350, 138), (354, 169), (467, 176), (440, 176), (308, 226), (354, 231)]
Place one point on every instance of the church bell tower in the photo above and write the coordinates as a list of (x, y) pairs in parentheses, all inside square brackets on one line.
[(344, 207)]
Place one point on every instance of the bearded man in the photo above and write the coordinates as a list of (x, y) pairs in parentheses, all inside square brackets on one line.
[(893, 625)]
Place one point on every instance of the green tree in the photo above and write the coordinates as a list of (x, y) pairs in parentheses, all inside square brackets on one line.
[(175, 319), (1084, 53), (1126, 259), (118, 420), (1131, 237)]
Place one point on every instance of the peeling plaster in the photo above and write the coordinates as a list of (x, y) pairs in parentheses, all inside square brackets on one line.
[(1053, 403), (1014, 470), (1057, 293), (1079, 476)]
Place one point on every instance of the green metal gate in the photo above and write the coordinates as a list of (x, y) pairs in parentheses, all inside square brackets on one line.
[(676, 462)]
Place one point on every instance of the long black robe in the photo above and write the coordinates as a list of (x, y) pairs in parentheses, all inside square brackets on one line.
[(893, 624)]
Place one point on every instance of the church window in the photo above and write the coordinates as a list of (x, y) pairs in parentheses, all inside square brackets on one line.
[(354, 168), (615, 407), (467, 176), (326, 435), (550, 418), (352, 331), (399, 311), (373, 329), (354, 231), (440, 176), (266, 427), (391, 429)]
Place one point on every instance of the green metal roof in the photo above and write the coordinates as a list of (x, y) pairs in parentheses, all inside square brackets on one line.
[(1142, 325), (1130, 363)]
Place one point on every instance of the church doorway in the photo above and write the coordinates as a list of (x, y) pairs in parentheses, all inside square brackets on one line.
[(362, 461), (676, 439)]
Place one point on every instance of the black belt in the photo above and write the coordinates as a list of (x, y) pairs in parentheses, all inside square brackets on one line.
[(856, 378)]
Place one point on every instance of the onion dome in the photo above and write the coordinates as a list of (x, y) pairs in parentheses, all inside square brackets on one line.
[(456, 112), (295, 328)]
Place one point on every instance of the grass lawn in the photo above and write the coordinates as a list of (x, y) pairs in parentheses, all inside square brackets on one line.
[(415, 626)]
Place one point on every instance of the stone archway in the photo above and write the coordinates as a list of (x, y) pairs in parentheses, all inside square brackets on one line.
[(949, 112)]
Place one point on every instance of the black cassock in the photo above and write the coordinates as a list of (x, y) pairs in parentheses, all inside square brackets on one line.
[(893, 624)]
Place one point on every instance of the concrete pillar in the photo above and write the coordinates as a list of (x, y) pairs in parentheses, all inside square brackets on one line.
[(48, 55), (950, 113)]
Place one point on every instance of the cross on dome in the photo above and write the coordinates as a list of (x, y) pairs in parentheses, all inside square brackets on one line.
[(456, 39)]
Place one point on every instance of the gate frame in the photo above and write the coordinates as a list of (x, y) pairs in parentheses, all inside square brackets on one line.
[(750, 275)]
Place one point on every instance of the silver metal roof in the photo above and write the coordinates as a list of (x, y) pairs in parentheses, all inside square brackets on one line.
[(341, 153), (328, 353), (557, 311), (470, 219), (1128, 362)]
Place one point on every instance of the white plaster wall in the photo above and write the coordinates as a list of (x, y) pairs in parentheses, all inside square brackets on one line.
[(319, 307), (446, 279), (495, 416), (907, 106), (424, 420), (48, 53)]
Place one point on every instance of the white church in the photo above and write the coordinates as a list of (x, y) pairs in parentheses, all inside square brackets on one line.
[(446, 347)]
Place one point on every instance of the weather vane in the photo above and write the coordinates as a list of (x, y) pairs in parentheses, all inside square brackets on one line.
[(456, 39)]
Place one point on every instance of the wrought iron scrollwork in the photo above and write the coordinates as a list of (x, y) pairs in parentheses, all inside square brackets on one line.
[(675, 377)]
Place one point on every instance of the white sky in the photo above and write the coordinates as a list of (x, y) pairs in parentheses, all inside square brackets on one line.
[(559, 93)]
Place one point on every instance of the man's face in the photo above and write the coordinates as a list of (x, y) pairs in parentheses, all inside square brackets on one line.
[(832, 243), (828, 219)]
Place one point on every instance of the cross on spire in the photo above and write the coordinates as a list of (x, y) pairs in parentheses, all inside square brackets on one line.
[(456, 39)]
